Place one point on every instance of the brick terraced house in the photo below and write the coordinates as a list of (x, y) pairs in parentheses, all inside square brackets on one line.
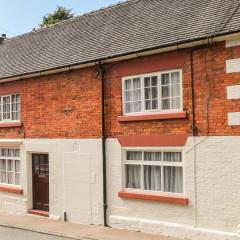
[(129, 117)]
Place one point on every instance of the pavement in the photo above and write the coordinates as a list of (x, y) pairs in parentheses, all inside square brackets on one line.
[(45, 226)]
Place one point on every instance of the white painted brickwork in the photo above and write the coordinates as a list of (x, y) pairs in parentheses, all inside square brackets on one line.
[(233, 92), (215, 214), (233, 65), (74, 190), (234, 119), (233, 43)]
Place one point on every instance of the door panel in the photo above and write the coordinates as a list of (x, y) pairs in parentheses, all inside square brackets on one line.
[(40, 181)]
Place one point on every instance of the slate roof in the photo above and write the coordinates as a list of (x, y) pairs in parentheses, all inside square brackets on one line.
[(127, 27)]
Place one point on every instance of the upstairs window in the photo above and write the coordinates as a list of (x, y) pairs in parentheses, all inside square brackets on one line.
[(156, 92), (10, 108)]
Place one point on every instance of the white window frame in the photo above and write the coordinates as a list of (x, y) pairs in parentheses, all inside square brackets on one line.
[(162, 164), (11, 111), (14, 159), (159, 110)]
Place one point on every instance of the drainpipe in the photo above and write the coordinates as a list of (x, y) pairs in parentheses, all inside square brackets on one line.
[(194, 127), (101, 72)]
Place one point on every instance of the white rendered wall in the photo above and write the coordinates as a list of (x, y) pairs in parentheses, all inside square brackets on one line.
[(215, 214), (75, 179)]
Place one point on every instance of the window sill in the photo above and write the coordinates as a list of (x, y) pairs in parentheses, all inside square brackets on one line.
[(160, 116), (10, 124), (159, 198), (11, 189)]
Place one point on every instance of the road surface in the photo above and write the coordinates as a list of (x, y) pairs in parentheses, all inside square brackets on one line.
[(16, 234)]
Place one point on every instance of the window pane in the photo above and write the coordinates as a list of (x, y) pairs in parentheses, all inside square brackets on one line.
[(128, 96), (175, 90), (10, 178), (152, 178), (165, 79), (136, 95), (154, 81), (154, 92), (155, 104), (151, 93), (147, 93), (3, 177), (172, 157), (152, 156), (136, 83), (136, 106), (133, 176), (17, 179), (128, 108), (10, 165), (173, 179), (17, 166), (175, 103), (175, 77), (3, 165), (134, 156), (148, 105), (147, 82), (165, 91), (128, 84), (165, 104)]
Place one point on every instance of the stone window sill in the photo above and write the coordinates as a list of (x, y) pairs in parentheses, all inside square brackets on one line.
[(161, 116), (159, 198), (11, 189), (10, 124)]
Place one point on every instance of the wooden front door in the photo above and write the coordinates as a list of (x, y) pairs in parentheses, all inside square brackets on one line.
[(40, 182)]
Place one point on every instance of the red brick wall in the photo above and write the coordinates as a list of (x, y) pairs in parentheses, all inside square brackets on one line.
[(44, 99), (211, 82)]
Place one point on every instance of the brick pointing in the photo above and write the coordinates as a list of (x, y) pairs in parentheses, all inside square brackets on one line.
[(68, 105), (63, 105)]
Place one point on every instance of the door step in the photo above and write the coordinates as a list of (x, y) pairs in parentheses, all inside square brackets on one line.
[(39, 212)]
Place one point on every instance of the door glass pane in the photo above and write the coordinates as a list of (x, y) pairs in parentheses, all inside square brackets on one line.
[(133, 176)]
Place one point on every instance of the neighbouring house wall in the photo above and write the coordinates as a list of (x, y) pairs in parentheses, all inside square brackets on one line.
[(213, 209), (57, 106), (75, 179)]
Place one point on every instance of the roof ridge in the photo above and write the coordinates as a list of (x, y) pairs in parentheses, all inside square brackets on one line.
[(120, 3)]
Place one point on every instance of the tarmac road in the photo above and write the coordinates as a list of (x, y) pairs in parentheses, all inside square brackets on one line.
[(16, 234)]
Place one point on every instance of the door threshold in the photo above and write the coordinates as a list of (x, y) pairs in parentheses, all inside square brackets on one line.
[(39, 212)]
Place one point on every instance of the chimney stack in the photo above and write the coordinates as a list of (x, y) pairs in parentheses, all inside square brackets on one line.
[(3, 37)]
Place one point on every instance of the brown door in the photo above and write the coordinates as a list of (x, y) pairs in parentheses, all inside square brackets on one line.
[(40, 182)]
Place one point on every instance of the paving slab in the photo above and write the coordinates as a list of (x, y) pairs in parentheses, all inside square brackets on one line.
[(71, 230)]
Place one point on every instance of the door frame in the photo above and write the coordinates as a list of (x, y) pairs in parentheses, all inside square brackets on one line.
[(32, 182)]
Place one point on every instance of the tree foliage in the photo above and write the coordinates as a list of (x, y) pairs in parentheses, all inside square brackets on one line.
[(60, 14)]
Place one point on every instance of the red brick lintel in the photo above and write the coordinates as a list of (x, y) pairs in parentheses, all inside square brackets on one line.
[(11, 189), (148, 117), (159, 198)]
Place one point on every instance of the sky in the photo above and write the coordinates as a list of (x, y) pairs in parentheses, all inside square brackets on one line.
[(21, 16)]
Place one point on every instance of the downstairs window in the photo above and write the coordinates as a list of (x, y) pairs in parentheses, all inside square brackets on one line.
[(10, 171), (153, 171)]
